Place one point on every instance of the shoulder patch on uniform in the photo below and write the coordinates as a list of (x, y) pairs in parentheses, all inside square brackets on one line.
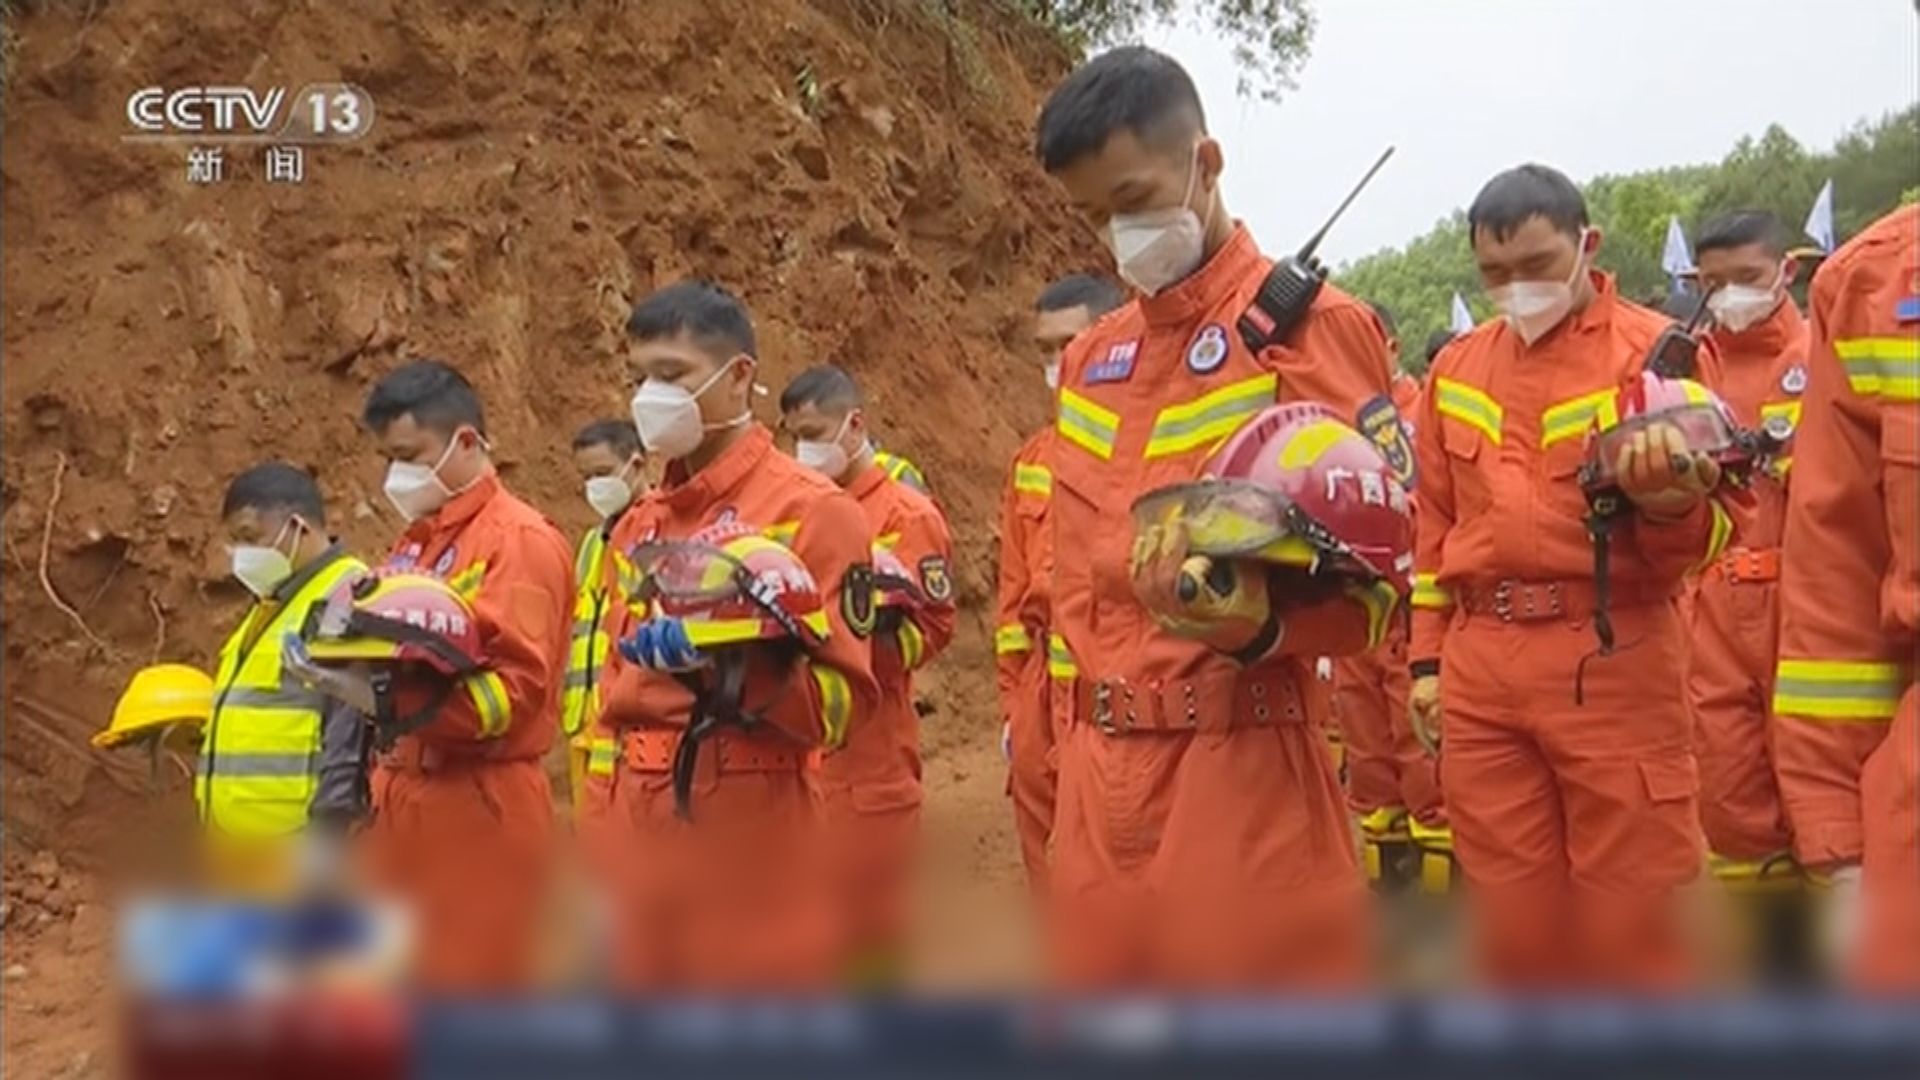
[(1779, 426), (1208, 350), (935, 580), (1379, 421), (1116, 366), (1794, 379), (856, 600), (446, 560)]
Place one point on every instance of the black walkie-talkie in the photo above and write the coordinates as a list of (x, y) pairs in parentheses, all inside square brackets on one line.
[(1675, 354), (1294, 281)]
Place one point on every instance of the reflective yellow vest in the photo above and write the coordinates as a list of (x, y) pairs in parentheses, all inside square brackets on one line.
[(588, 647), (257, 764)]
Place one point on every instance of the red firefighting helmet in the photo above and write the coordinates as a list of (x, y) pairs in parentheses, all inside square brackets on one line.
[(396, 619), (732, 585), (1296, 486), (894, 587), (1705, 424)]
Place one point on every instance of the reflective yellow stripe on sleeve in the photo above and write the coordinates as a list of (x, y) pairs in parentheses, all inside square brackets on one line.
[(1469, 406), (1012, 638), (489, 694), (1428, 594), (781, 532), (1034, 480), (1718, 534), (1087, 425), (1570, 419), (1060, 663), (836, 703), (467, 582), (1886, 367), (1212, 418), (1839, 691)]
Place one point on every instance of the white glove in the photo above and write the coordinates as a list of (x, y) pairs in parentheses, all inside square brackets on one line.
[(1323, 669)]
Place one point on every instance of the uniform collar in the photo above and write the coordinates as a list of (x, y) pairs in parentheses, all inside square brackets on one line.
[(459, 510), (302, 577), (1770, 335), (870, 477), (722, 474), (1204, 289)]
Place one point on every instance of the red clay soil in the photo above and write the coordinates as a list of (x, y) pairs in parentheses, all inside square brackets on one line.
[(858, 170)]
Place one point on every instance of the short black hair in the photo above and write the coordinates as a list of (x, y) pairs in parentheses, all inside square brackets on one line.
[(278, 487), (1740, 228), (438, 398), (825, 387), (714, 318), (1386, 319), (1132, 89), (1436, 341), (1097, 294), (620, 436), (1514, 197)]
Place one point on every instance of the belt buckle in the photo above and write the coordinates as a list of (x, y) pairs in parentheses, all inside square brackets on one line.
[(1103, 707)]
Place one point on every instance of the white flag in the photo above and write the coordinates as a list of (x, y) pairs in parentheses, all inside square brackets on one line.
[(1820, 219), (1462, 320), (1676, 260)]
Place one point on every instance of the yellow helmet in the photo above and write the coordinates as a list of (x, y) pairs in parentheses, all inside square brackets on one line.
[(158, 698)]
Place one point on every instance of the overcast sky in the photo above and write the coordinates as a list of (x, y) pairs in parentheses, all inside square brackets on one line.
[(1465, 88)]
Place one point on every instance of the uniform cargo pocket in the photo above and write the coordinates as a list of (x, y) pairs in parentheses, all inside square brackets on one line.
[(885, 798), (1670, 779)]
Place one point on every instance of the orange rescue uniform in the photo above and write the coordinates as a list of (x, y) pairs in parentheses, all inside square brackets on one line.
[(462, 812), (737, 898), (1574, 819), (1388, 772), (1199, 834), (1847, 738), (1020, 650), (1733, 619), (873, 781)]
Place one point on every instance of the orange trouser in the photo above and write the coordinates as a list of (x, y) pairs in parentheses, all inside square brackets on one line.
[(1033, 771), (875, 829), (1386, 765), (1889, 953), (1733, 631), (468, 846), (1574, 823), (1220, 859), (735, 899)]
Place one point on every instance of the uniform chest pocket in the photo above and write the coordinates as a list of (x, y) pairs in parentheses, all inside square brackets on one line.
[(1468, 460)]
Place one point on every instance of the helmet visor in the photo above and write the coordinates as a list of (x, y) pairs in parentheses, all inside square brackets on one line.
[(1222, 517), (1703, 429)]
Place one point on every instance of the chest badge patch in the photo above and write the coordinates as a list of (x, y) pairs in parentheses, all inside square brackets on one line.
[(444, 564), (934, 579), (1794, 379), (856, 600), (1116, 366), (1208, 351), (405, 558), (1779, 426), (1907, 310), (1379, 421)]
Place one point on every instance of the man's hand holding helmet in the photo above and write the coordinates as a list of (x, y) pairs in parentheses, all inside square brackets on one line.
[(1661, 475), (1223, 603)]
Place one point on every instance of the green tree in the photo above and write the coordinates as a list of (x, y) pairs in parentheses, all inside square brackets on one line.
[(1270, 38), (1874, 167)]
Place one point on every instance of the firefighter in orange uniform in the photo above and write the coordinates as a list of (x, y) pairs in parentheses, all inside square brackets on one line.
[(1393, 784), (1199, 833), (463, 814), (1762, 341), (733, 895), (873, 781), (1020, 639), (1847, 737), (1570, 780)]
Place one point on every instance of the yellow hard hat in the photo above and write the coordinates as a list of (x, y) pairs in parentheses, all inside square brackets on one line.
[(159, 697)]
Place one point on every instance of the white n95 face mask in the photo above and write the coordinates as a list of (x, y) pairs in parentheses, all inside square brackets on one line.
[(1052, 374), (416, 490), (825, 456), (1534, 307), (609, 495), (263, 568), (1154, 249), (1737, 307), (668, 416)]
